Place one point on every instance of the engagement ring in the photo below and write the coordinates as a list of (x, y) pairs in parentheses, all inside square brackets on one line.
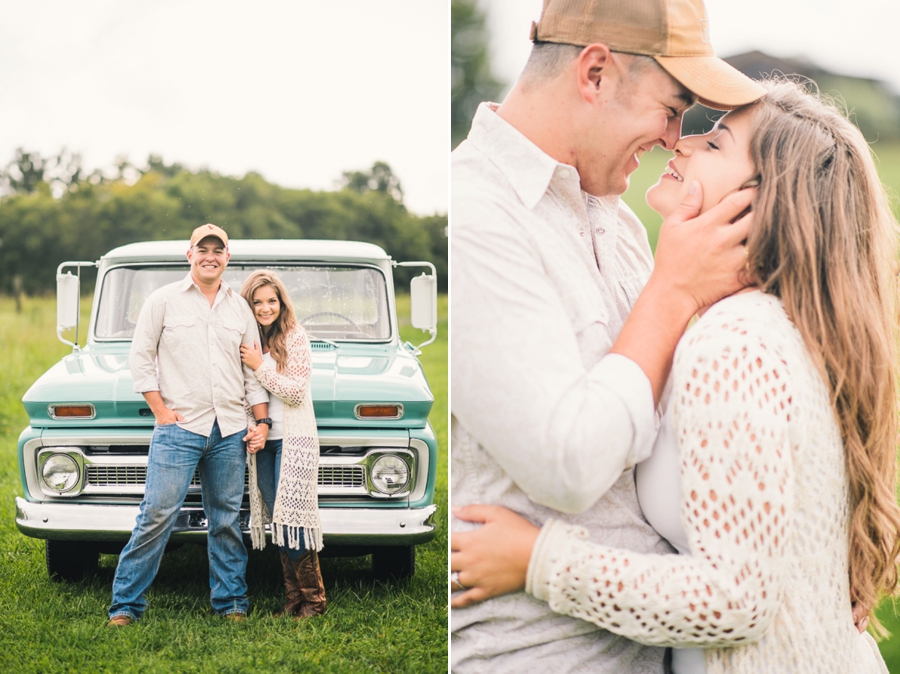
[(454, 581)]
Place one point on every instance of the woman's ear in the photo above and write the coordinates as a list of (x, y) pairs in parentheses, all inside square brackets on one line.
[(594, 65)]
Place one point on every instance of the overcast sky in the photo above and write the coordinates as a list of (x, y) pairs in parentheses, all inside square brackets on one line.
[(297, 91), (852, 37)]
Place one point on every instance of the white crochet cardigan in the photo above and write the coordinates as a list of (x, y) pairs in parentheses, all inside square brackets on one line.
[(765, 507), (296, 502)]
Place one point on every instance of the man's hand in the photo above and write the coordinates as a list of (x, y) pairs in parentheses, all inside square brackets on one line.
[(699, 260), (702, 258), (861, 612), (492, 560), (167, 417), (164, 416), (256, 438)]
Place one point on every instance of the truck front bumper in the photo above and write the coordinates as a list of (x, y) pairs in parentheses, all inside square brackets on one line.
[(341, 526)]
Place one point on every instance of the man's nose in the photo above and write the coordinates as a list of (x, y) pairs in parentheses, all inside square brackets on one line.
[(672, 133)]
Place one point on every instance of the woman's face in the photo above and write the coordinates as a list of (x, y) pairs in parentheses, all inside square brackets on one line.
[(719, 161), (266, 306)]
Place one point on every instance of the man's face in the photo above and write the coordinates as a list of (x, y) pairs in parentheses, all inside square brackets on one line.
[(208, 257), (640, 112)]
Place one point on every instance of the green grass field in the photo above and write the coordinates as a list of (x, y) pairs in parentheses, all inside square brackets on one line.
[(46, 626), (888, 162)]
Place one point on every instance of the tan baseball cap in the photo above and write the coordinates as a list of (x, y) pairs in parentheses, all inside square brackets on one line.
[(208, 230), (674, 32)]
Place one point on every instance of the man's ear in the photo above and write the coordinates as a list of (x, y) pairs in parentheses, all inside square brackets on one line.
[(594, 66)]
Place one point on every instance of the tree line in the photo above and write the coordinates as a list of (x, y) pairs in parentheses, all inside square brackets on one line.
[(51, 211)]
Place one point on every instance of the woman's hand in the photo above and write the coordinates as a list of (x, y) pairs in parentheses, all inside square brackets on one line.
[(251, 356), (492, 560), (256, 438)]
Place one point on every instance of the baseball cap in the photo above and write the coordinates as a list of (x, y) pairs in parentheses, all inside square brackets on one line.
[(208, 230), (674, 32)]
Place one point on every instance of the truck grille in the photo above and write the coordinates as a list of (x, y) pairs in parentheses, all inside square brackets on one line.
[(121, 476), (342, 476), (114, 476)]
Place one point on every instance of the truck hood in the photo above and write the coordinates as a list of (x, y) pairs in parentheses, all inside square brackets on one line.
[(343, 377)]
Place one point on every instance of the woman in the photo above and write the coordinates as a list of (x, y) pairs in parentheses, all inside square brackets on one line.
[(284, 473), (782, 420)]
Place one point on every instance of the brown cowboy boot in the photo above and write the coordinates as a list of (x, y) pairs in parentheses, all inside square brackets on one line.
[(292, 594), (312, 589)]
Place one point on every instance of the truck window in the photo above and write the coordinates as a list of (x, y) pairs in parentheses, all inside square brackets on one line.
[(331, 302)]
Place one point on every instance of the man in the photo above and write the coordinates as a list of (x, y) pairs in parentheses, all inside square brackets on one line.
[(185, 360), (562, 336)]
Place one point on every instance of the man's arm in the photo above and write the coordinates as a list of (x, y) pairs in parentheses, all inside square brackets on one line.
[(164, 416), (698, 260), (257, 435), (563, 433), (254, 392), (142, 360), (257, 397)]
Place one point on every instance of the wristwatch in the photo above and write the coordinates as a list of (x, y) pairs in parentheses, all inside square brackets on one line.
[(265, 420)]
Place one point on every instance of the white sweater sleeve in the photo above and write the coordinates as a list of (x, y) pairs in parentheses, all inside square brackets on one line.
[(732, 407)]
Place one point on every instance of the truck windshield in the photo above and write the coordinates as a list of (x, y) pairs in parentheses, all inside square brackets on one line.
[(332, 303)]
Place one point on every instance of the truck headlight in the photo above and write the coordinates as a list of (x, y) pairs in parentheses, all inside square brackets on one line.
[(389, 474), (60, 473)]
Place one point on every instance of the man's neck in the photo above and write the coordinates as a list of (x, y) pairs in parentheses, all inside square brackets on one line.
[(543, 116), (209, 290)]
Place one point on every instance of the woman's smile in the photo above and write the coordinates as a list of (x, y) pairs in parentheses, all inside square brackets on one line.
[(266, 306)]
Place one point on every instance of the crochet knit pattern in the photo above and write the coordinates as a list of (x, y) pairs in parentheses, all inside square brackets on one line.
[(296, 502), (765, 504)]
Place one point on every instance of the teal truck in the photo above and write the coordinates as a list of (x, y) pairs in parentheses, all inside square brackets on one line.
[(83, 457)]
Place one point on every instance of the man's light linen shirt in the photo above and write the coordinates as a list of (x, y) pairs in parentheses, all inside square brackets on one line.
[(543, 421), (197, 348)]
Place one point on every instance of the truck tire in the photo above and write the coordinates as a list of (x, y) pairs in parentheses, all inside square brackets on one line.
[(394, 562), (71, 561)]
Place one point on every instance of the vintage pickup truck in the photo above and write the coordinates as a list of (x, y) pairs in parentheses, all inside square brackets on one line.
[(83, 457)]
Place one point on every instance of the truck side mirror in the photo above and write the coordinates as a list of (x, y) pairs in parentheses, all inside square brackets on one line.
[(68, 300), (68, 292), (423, 300)]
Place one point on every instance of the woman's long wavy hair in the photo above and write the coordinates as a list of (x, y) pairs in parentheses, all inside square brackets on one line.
[(824, 241), (275, 336)]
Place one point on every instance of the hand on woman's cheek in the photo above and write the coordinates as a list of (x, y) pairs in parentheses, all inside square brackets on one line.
[(493, 559)]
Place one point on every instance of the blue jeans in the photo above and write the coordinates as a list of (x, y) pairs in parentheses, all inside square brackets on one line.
[(174, 455), (268, 471)]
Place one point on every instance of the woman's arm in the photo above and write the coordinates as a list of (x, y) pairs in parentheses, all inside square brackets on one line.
[(731, 411), (291, 385), (732, 405)]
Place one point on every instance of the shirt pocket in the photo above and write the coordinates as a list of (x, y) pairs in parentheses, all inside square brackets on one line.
[(178, 324), (231, 333)]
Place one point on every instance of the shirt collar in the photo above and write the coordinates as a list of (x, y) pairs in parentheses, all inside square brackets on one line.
[(189, 281), (528, 169)]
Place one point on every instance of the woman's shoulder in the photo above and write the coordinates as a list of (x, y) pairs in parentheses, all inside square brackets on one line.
[(747, 324), (751, 315), (296, 335)]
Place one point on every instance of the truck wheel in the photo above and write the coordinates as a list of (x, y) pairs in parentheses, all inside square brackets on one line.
[(71, 560), (394, 562)]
